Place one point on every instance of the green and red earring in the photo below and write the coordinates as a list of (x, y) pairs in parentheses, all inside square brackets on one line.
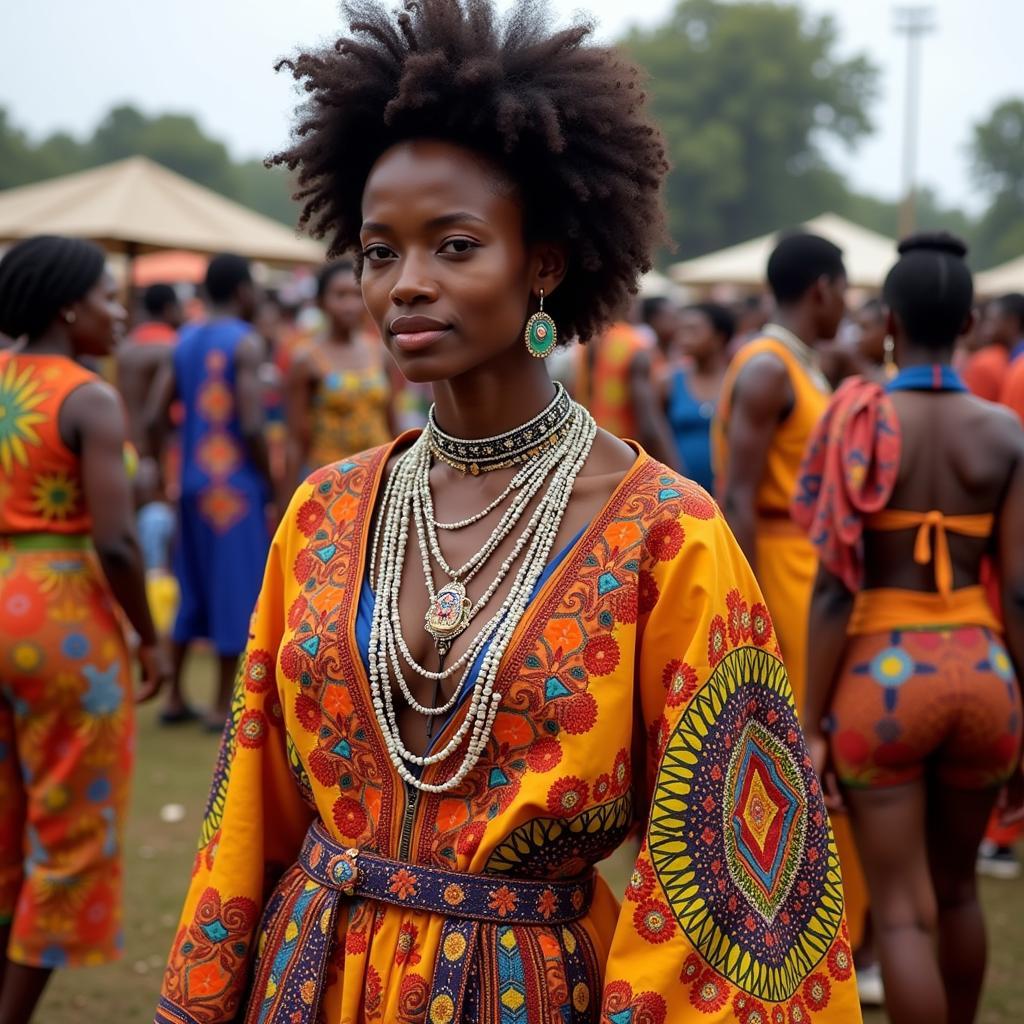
[(541, 333)]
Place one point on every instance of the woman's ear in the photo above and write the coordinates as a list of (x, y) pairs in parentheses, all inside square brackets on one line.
[(550, 262)]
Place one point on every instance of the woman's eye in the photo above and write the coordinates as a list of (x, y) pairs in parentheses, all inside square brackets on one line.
[(459, 246), (376, 253)]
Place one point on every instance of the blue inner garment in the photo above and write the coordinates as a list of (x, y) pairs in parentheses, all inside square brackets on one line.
[(364, 621)]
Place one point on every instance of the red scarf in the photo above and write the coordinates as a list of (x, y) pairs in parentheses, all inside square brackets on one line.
[(848, 472)]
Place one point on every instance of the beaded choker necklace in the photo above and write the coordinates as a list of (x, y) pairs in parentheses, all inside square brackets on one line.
[(513, 448)]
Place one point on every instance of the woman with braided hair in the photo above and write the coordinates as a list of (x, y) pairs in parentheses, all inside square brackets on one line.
[(68, 557), (485, 653)]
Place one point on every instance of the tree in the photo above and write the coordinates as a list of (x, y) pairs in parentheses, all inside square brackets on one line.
[(174, 140), (746, 92), (997, 164)]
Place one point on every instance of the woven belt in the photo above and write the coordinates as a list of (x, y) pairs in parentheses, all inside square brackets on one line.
[(299, 923)]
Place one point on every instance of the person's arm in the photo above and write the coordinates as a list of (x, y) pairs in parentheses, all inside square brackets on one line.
[(714, 720), (655, 434), (255, 820), (249, 398), (831, 605), (94, 415), (1010, 558), (157, 418), (761, 396), (298, 397)]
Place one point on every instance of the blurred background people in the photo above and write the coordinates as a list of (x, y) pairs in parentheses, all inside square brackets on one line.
[(226, 483), (338, 395), (693, 384), (69, 557)]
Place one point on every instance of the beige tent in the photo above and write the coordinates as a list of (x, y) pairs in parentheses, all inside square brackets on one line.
[(867, 255), (1007, 277), (136, 205)]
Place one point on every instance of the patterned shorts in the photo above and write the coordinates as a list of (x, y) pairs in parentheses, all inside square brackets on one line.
[(941, 701), (66, 731)]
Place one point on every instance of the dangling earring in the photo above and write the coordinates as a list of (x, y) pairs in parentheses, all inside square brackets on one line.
[(70, 317), (541, 333), (888, 351)]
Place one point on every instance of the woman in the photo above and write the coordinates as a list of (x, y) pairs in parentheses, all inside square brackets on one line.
[(68, 557), (691, 391), (338, 397), (904, 491), (482, 654)]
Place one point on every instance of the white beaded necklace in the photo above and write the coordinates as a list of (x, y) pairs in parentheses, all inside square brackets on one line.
[(407, 496)]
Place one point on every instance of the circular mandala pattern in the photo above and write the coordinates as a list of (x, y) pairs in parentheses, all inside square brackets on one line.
[(752, 876)]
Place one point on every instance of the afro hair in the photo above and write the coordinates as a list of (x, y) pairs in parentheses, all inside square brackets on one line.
[(563, 120)]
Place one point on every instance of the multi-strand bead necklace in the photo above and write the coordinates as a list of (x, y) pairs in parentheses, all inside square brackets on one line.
[(551, 449)]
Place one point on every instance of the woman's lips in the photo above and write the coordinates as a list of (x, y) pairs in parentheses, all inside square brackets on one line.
[(415, 333), (416, 341)]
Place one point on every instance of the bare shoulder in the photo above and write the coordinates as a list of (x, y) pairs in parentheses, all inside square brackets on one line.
[(1000, 424), (249, 351), (761, 373), (609, 457)]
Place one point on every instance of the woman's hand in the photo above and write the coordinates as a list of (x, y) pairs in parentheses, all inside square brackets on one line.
[(156, 671), (817, 748)]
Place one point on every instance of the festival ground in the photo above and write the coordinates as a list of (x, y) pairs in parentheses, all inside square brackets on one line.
[(174, 767)]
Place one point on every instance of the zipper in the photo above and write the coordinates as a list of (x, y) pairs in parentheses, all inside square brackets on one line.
[(412, 800)]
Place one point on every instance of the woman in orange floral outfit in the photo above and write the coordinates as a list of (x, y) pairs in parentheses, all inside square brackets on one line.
[(441, 727), (68, 555)]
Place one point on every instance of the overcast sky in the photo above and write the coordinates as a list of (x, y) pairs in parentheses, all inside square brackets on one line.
[(64, 63)]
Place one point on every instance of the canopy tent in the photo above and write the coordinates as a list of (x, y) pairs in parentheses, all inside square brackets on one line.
[(1007, 277), (134, 206), (867, 255)]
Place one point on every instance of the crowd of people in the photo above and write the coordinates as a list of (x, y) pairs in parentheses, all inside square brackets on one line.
[(745, 578)]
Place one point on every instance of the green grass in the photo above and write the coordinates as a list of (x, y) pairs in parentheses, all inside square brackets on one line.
[(174, 766)]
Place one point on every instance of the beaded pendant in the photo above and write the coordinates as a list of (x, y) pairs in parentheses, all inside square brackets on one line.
[(447, 615)]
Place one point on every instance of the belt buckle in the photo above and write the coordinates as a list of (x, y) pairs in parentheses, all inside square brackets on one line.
[(345, 871)]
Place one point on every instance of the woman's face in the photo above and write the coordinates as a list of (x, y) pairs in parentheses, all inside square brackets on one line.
[(697, 337), (447, 273), (342, 301), (99, 319)]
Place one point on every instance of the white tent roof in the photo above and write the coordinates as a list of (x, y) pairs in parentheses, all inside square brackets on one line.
[(136, 205), (867, 255), (1007, 277)]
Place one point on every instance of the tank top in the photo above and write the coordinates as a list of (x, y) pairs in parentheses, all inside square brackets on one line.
[(690, 419), (40, 477), (350, 413), (811, 393)]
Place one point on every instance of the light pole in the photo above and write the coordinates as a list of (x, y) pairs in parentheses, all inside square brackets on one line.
[(913, 22)]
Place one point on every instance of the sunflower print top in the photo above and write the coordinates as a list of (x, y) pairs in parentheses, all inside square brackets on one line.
[(40, 480), (642, 688)]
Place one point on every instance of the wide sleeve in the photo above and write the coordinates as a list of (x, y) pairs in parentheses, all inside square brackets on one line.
[(252, 829), (734, 909)]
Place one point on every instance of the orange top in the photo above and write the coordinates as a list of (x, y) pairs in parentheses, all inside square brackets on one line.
[(1012, 393), (927, 523), (40, 478), (811, 397), (604, 385), (985, 371)]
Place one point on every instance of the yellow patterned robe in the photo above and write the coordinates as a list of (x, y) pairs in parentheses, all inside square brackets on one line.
[(642, 687)]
